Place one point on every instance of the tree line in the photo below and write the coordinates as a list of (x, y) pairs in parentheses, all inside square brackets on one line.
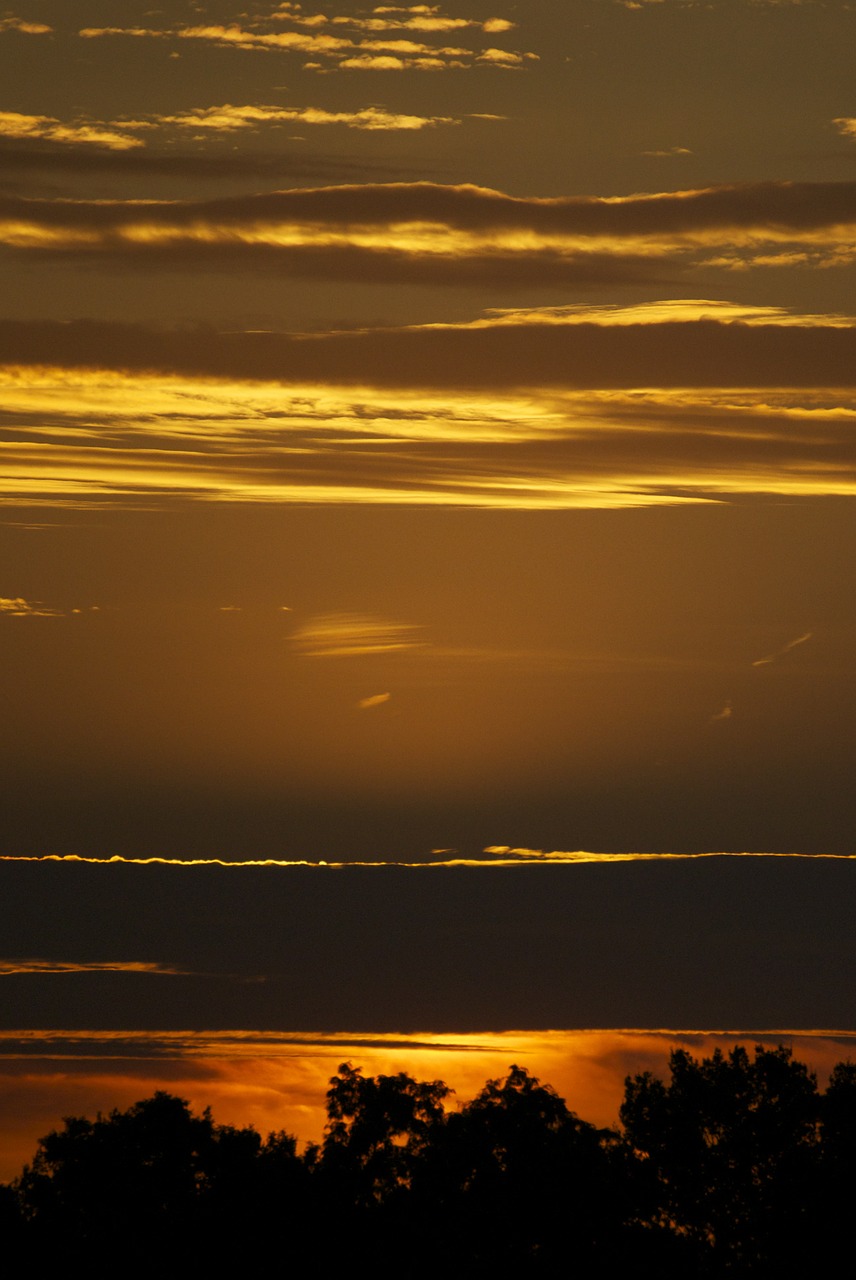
[(737, 1165)]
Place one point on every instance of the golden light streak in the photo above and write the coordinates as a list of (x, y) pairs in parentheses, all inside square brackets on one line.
[(499, 856), (132, 229)]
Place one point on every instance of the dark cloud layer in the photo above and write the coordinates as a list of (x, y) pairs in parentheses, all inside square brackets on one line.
[(712, 944), (700, 353), (258, 165)]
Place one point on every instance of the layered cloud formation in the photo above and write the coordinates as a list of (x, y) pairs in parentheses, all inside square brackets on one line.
[(553, 408), (422, 231)]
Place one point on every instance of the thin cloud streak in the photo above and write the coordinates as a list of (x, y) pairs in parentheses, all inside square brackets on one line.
[(14, 968), (786, 648), (498, 856)]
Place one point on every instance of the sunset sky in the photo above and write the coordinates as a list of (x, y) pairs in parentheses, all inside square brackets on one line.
[(427, 438)]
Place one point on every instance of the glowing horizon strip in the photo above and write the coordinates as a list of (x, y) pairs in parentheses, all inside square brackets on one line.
[(517, 858)]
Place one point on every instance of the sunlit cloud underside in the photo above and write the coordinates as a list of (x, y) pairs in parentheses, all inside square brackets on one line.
[(670, 403), (410, 230)]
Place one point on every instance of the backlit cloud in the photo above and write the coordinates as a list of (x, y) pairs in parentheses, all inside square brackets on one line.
[(399, 230)]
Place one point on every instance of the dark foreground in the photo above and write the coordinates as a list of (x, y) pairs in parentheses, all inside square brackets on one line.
[(738, 1166)]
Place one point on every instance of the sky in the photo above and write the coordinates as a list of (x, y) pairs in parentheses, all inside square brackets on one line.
[(426, 544)]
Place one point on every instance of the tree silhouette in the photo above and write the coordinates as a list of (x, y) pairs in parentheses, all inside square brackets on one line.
[(155, 1175), (526, 1180), (737, 1167), (378, 1129), (725, 1155)]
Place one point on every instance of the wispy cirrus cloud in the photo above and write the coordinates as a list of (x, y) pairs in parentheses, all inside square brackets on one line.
[(354, 635), (780, 653)]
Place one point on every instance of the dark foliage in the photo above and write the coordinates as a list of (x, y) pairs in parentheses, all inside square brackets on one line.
[(738, 1166)]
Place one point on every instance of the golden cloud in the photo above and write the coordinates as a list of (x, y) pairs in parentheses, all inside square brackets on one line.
[(14, 124), (24, 27), (18, 607), (309, 35), (676, 402), (415, 230), (228, 118)]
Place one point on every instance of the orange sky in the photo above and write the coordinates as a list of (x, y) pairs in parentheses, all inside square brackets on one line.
[(426, 430), (276, 1081)]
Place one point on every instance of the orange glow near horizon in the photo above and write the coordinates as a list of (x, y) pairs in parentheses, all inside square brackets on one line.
[(277, 1080)]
